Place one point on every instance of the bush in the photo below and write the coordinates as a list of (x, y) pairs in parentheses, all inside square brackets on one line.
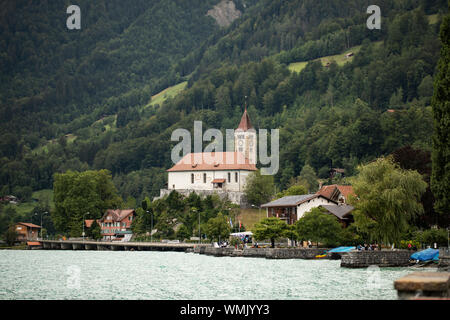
[(404, 244), (432, 236), (350, 237), (11, 235)]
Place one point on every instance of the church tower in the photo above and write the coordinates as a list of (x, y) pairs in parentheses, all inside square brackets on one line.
[(245, 138)]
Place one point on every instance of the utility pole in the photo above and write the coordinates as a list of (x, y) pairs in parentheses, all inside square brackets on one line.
[(41, 220), (87, 213), (151, 229)]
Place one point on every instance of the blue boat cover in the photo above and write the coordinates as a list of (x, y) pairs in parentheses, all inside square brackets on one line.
[(426, 255), (342, 249)]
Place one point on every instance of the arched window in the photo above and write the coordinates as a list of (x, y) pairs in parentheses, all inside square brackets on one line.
[(204, 178), (229, 177), (235, 177), (192, 178)]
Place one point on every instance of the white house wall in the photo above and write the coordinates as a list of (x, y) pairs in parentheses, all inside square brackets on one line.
[(308, 205)]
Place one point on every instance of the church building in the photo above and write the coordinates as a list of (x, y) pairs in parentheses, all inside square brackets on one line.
[(224, 173)]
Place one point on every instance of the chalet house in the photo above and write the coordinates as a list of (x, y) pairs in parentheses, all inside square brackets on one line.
[(223, 173), (337, 172), (292, 208), (27, 231), (337, 193), (9, 199), (342, 212), (116, 224)]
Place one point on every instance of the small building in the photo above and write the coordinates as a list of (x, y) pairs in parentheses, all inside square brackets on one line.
[(27, 231), (350, 54), (337, 172), (9, 199), (342, 212), (115, 224), (292, 208), (337, 193)]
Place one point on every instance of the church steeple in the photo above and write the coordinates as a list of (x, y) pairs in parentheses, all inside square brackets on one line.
[(245, 138), (245, 123)]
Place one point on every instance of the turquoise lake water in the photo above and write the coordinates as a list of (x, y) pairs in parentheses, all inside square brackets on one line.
[(47, 274)]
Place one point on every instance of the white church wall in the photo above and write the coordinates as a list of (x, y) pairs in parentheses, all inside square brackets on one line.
[(183, 180)]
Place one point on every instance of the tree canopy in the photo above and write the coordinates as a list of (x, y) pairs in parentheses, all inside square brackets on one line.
[(270, 228), (440, 178), (218, 227), (388, 199), (82, 195), (259, 188), (317, 226)]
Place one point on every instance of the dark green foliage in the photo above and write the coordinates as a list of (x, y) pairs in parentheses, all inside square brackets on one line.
[(218, 228), (388, 200), (259, 188), (440, 178), (94, 232), (270, 228), (420, 160), (10, 235), (183, 233), (175, 216), (431, 236), (82, 195), (317, 226)]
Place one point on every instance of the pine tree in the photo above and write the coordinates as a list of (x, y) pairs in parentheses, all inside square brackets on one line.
[(440, 178)]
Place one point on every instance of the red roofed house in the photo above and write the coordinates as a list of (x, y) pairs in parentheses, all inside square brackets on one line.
[(220, 172), (115, 224), (27, 231), (336, 192)]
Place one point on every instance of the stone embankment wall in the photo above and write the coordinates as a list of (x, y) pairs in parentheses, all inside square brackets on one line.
[(269, 253), (363, 259), (444, 259), (235, 197)]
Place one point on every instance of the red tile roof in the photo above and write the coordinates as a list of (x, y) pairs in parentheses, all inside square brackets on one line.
[(117, 215), (329, 191), (346, 191), (33, 243), (245, 123), (213, 161), (88, 223), (29, 225)]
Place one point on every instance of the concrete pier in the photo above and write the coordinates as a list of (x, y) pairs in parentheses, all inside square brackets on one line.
[(419, 285), (118, 246)]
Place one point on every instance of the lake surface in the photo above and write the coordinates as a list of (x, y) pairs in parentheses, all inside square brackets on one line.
[(48, 274)]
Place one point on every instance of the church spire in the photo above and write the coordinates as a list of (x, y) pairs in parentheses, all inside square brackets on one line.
[(245, 123)]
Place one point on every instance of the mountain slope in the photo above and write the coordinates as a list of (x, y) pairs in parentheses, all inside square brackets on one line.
[(336, 114)]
